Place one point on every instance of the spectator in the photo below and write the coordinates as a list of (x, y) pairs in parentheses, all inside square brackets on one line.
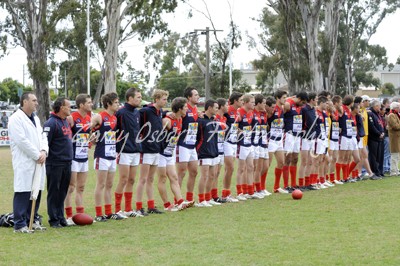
[(394, 137), (375, 139), (4, 120), (385, 109)]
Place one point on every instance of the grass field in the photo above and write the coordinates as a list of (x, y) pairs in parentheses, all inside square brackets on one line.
[(354, 224)]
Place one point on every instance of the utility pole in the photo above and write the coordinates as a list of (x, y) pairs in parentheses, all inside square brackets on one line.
[(207, 74), (88, 44)]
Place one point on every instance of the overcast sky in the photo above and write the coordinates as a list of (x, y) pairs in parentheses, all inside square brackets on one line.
[(242, 10)]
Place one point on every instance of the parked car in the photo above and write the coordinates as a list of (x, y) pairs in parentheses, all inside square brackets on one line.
[(12, 107), (3, 105)]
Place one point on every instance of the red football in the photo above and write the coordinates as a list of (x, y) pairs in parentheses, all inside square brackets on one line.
[(297, 194), (82, 219)]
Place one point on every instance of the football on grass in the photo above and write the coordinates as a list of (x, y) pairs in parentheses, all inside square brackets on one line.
[(82, 219), (297, 194)]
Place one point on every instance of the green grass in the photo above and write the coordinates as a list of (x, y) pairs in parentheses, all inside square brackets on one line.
[(348, 225)]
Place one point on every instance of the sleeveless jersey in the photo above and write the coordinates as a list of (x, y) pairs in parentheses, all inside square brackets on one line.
[(246, 119), (346, 123), (334, 130), (106, 144), (276, 124), (293, 120), (190, 127), (80, 132), (264, 130), (221, 132), (322, 124), (256, 127), (172, 136), (233, 125)]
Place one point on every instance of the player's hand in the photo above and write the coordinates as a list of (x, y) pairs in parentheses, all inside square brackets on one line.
[(42, 157)]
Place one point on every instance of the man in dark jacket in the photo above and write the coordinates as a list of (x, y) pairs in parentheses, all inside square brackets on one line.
[(376, 133)]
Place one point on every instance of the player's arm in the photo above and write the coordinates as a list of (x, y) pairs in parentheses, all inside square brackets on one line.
[(70, 121), (94, 124), (166, 123), (286, 107)]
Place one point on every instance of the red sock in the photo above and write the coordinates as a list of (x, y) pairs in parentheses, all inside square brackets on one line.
[(167, 204), (322, 180), (175, 201), (301, 181), (313, 178), (189, 196), (128, 201), (307, 179), (258, 186), (68, 212), (108, 209), (357, 172), (345, 168), (80, 209), (352, 166), (278, 173), (150, 204), (332, 177), (99, 211), (179, 201), (338, 166), (293, 175), (244, 189), (263, 181), (214, 193), (250, 189), (207, 196), (285, 174), (225, 193), (201, 198), (239, 189), (118, 199), (139, 205)]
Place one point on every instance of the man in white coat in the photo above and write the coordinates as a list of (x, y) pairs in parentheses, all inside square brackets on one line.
[(29, 149)]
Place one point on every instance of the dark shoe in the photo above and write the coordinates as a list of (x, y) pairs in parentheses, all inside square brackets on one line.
[(375, 177), (154, 211), (64, 222), (102, 218), (142, 212), (289, 189), (115, 216), (311, 187), (56, 226), (220, 200)]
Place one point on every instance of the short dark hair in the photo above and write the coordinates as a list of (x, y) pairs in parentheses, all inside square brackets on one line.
[(303, 96), (279, 93), (131, 93), (322, 99), (270, 101), (324, 93), (348, 99), (25, 96), (336, 99), (188, 92), (357, 99), (108, 99), (235, 96), (311, 96), (221, 102), (58, 103), (258, 98), (81, 99), (355, 106), (385, 101), (209, 103), (178, 103)]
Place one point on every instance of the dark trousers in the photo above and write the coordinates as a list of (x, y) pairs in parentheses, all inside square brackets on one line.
[(58, 177), (375, 156), (22, 206)]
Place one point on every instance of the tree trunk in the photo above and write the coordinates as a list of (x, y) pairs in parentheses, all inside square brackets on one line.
[(113, 10), (99, 89), (310, 16)]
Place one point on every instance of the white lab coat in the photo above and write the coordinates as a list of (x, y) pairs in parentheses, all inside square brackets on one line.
[(26, 143)]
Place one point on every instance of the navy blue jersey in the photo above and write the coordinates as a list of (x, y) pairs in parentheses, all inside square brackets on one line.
[(151, 129), (310, 122), (106, 137), (376, 126), (189, 128), (128, 128), (231, 121), (245, 120), (293, 120), (321, 130), (171, 137), (256, 128), (80, 132), (59, 137), (360, 126), (221, 132), (346, 123), (276, 124), (207, 138), (264, 130), (334, 129)]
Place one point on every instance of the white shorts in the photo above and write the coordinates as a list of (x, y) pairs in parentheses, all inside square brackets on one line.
[(263, 153), (163, 161), (186, 155), (333, 145), (291, 143), (149, 158), (245, 152), (354, 144), (209, 162), (105, 165), (131, 159), (346, 144), (307, 144), (230, 150), (219, 160), (79, 167), (275, 145), (361, 143), (256, 152), (320, 147)]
